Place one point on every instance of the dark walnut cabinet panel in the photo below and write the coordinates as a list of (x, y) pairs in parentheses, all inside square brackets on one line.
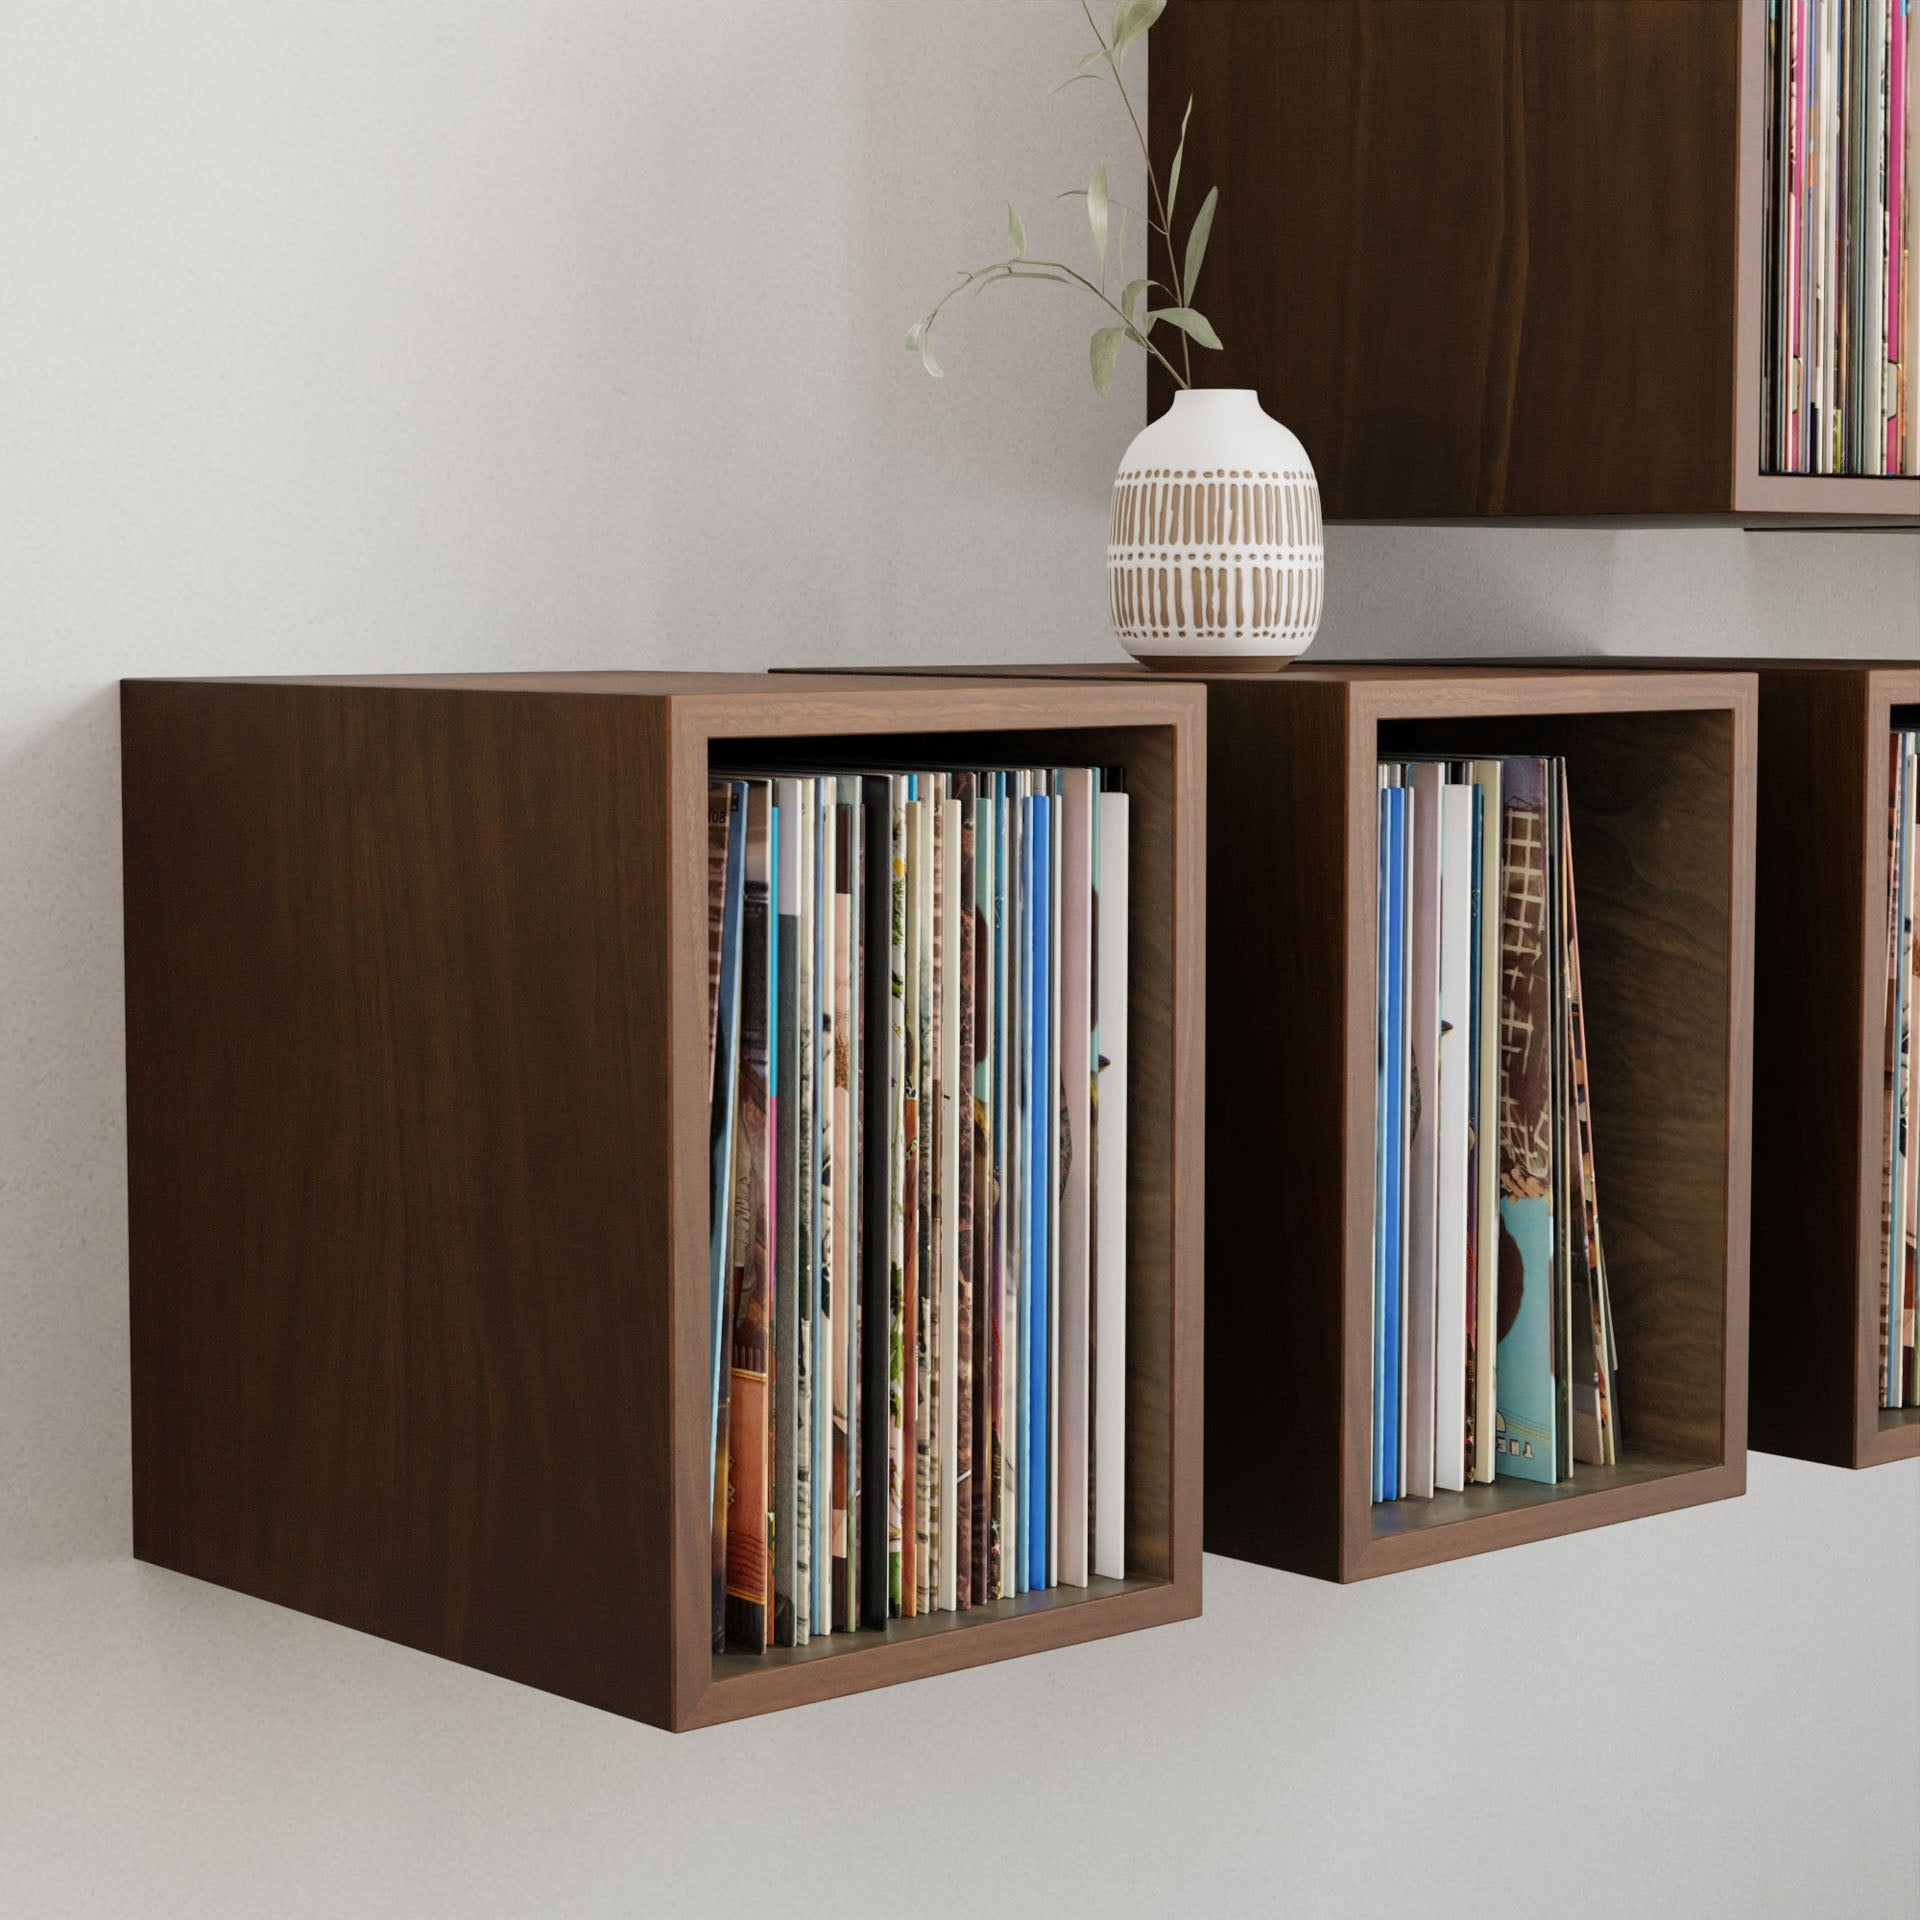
[(1492, 258)]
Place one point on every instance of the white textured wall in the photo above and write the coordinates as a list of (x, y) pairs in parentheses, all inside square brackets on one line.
[(548, 333)]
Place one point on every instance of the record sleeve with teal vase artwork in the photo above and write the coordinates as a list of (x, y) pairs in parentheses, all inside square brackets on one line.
[(1525, 1443)]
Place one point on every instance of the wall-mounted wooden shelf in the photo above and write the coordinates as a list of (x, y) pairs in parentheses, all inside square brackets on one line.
[(1494, 258), (1819, 1074), (417, 1145), (1661, 769), (1818, 1053)]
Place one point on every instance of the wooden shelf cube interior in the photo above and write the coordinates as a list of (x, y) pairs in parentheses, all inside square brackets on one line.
[(418, 1168), (1661, 778), (1154, 1588), (1819, 1060)]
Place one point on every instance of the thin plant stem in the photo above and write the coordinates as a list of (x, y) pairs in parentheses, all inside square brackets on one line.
[(1011, 268), (1166, 225)]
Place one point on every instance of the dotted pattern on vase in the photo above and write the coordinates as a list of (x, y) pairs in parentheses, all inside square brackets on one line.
[(1224, 554)]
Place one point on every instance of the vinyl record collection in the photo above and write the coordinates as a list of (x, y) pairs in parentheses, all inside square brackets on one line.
[(1900, 1165), (917, 1025), (1838, 389), (1493, 1341)]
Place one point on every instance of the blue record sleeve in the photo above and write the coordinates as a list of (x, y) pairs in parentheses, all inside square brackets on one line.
[(1393, 1209), (1036, 1353), (1381, 895)]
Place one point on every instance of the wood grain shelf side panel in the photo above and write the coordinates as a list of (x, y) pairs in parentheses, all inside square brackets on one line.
[(1480, 254), (395, 1110), (1816, 1072), (1277, 1043)]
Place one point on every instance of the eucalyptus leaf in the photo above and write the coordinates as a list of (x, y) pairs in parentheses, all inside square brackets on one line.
[(1097, 213), (1017, 232), (1080, 193), (1197, 239), (1100, 353), (1063, 85), (1131, 19), (1196, 326), (1173, 172), (1130, 298), (913, 335), (929, 362)]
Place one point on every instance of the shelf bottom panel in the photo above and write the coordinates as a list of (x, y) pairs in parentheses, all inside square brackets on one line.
[(1898, 1437), (935, 1643), (1407, 1533)]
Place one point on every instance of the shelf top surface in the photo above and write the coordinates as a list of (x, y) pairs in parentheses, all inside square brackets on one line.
[(763, 704), (1414, 689)]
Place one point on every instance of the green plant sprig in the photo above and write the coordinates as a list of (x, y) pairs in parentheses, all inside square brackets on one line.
[(1131, 21)]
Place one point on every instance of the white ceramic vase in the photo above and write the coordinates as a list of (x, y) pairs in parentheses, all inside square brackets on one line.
[(1214, 554)]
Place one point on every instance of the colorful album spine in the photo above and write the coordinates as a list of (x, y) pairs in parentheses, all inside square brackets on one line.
[(912, 1473), (947, 1373), (879, 1277), (1093, 1191), (785, 1106), (728, 797), (1112, 987), (1603, 1449), (902, 1189), (1455, 1103), (844, 1155), (1890, 1055), (1560, 1106), (1006, 1172), (1056, 867), (1019, 1160), (986, 1329), (1075, 1191), (1404, 1146), (965, 1122), (1420, 1255), (1527, 1444), (1476, 1020), (719, 823), (1487, 779), (1039, 1501), (859, 1038), (797, 1417), (749, 1418), (825, 847), (1903, 1281), (1383, 864), (920, 874), (1899, 185), (932, 1192), (1393, 1210)]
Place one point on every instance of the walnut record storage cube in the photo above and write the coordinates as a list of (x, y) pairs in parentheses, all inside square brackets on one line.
[(1819, 1061), (1492, 258), (417, 1145), (1661, 774)]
